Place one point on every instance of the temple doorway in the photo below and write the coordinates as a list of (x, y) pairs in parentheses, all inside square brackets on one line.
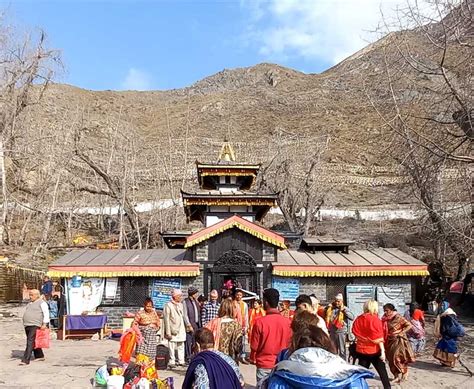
[(236, 265)]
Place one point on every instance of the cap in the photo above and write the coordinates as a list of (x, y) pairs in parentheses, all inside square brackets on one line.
[(192, 290), (176, 292)]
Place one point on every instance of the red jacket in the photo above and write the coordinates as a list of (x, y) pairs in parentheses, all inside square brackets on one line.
[(270, 335), (368, 328)]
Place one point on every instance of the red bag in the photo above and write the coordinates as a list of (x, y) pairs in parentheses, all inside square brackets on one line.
[(42, 338)]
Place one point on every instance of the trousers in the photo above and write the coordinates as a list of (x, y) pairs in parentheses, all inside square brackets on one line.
[(339, 339), (188, 345), (366, 359), (262, 373), (176, 347), (30, 345)]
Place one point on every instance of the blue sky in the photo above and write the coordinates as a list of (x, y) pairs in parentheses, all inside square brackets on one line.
[(165, 44)]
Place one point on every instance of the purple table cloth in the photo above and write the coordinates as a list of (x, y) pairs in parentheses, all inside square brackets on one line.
[(84, 322)]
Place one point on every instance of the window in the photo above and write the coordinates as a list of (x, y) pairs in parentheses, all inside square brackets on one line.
[(134, 291)]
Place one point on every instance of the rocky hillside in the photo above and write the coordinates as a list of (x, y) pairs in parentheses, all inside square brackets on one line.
[(259, 109)]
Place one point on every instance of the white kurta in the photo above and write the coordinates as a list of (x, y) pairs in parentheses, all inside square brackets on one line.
[(173, 322)]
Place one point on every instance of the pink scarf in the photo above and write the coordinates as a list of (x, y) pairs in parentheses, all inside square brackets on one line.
[(215, 326)]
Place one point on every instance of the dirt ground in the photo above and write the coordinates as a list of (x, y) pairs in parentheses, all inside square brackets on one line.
[(72, 363)]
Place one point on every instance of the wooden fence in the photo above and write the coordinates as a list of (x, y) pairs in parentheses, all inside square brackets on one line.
[(15, 281)]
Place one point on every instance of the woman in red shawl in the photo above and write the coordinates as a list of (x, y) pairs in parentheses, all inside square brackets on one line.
[(398, 348), (256, 312), (368, 330)]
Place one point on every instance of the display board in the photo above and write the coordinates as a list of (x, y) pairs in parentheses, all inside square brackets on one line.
[(391, 294), (357, 295), (84, 294), (111, 285), (161, 290), (289, 288)]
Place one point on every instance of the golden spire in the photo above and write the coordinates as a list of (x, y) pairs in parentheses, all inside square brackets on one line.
[(227, 152)]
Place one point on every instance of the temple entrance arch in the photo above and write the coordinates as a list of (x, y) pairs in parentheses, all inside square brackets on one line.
[(237, 265)]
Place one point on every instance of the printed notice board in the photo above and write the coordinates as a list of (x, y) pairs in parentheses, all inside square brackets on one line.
[(391, 294), (161, 290), (357, 295), (289, 288)]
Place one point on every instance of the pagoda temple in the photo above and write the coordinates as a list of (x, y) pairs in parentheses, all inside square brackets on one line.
[(233, 243), (225, 190)]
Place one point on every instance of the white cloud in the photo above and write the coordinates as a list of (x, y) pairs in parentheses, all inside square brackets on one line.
[(328, 30), (137, 79)]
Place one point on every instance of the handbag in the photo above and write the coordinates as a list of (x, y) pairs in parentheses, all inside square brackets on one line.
[(42, 338)]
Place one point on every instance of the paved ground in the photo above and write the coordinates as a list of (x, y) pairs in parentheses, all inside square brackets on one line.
[(72, 363)]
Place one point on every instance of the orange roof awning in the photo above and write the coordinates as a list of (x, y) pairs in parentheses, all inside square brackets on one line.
[(349, 271), (124, 271), (240, 223)]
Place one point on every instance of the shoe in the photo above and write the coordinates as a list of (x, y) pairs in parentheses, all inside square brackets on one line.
[(171, 367), (39, 359), (23, 363)]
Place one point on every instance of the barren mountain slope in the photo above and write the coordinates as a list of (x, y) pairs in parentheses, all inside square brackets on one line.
[(255, 108)]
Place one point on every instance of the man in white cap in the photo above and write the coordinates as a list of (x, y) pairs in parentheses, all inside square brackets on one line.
[(173, 328), (210, 308), (337, 316)]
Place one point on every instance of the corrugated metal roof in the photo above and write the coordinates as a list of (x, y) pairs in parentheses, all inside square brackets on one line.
[(370, 257), (153, 257), (326, 242)]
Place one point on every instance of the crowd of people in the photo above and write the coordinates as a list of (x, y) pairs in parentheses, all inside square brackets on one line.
[(306, 346)]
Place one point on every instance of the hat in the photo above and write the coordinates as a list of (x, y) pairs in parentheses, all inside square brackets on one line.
[(176, 292), (192, 290), (339, 297)]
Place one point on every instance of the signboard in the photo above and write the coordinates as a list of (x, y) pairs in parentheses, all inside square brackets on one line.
[(84, 294), (111, 287), (289, 288), (391, 294), (357, 296), (161, 290)]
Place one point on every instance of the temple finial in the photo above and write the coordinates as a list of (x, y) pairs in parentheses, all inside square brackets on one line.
[(227, 152)]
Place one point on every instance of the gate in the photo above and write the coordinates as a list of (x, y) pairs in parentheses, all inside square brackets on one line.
[(237, 265)]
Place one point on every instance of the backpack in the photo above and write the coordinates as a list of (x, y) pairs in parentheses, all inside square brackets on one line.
[(131, 372), (454, 329), (162, 357)]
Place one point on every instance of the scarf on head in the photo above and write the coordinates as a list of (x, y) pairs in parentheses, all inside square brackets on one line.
[(215, 326), (219, 372), (338, 321), (385, 319)]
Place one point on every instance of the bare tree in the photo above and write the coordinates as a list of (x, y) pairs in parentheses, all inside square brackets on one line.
[(27, 68), (427, 80), (300, 193)]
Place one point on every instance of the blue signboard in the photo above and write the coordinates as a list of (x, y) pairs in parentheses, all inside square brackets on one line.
[(289, 288), (161, 290)]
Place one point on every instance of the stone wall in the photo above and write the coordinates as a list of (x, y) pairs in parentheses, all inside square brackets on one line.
[(316, 285), (114, 309), (321, 287), (115, 314)]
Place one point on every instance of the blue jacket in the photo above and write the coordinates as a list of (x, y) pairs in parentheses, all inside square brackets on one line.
[(314, 368)]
